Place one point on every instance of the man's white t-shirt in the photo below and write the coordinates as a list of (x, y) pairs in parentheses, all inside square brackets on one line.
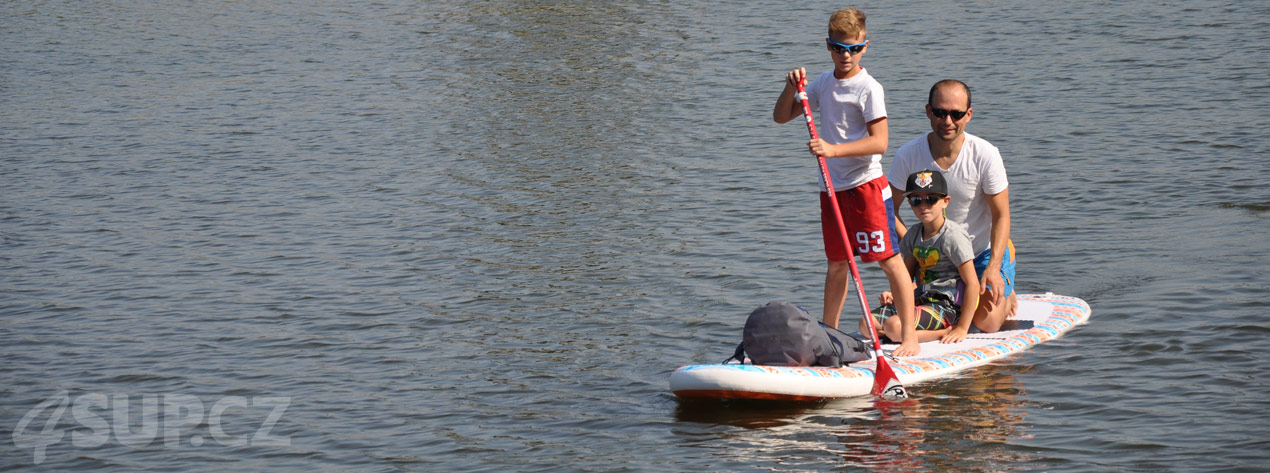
[(977, 173)]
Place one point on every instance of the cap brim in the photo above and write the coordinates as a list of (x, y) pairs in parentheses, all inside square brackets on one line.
[(908, 193)]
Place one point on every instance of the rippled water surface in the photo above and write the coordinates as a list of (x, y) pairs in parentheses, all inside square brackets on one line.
[(478, 236)]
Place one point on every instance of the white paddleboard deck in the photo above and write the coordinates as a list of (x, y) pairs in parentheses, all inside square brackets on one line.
[(1040, 318)]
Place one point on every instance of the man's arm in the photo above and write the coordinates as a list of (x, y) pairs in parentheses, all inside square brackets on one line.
[(999, 204), (897, 199)]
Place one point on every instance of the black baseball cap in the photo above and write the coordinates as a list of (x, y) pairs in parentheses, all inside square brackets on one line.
[(926, 181)]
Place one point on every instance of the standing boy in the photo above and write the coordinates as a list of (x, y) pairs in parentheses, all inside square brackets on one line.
[(979, 189), (938, 254), (854, 132)]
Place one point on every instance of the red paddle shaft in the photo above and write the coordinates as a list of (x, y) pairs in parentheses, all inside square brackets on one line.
[(885, 382)]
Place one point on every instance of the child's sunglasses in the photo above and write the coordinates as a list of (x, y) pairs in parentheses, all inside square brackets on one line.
[(928, 200), (941, 113), (843, 48)]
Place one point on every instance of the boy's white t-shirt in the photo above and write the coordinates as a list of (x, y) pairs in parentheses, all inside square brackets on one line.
[(846, 107)]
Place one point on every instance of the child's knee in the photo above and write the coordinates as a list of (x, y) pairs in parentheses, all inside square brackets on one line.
[(893, 329), (990, 317)]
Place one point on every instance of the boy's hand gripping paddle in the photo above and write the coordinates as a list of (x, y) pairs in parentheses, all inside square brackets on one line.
[(885, 383)]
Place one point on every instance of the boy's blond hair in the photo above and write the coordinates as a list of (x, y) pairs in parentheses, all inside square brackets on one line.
[(848, 21)]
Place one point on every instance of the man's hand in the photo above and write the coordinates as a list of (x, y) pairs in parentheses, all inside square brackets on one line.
[(992, 286)]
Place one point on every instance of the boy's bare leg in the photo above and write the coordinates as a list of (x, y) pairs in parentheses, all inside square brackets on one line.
[(836, 278), (902, 291), (894, 330)]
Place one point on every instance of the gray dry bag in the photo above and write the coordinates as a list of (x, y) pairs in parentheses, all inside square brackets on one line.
[(783, 334)]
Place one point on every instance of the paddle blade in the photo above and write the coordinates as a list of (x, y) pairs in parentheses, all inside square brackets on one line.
[(886, 384)]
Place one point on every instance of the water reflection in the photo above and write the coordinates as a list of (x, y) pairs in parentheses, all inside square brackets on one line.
[(766, 414), (928, 431)]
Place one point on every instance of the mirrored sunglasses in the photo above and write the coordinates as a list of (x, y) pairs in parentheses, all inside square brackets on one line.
[(843, 48)]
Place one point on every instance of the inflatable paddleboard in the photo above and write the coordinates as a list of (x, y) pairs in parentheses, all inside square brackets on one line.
[(1040, 318)]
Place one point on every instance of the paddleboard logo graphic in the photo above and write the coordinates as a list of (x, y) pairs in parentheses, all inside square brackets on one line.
[(894, 391)]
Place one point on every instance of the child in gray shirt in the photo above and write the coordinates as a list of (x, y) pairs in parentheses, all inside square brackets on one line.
[(939, 256)]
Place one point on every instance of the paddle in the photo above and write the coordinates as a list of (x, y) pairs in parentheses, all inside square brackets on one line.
[(885, 383)]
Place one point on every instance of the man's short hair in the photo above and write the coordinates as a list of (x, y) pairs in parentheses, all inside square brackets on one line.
[(948, 83), (848, 21)]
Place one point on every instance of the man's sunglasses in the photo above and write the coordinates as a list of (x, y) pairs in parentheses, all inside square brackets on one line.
[(844, 48), (941, 113), (928, 200)]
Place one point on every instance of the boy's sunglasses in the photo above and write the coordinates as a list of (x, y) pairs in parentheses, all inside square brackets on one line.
[(843, 48), (941, 113), (928, 200)]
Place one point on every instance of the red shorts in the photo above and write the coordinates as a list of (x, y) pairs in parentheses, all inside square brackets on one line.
[(870, 221)]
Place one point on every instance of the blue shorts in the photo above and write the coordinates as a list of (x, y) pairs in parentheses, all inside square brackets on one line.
[(1007, 266)]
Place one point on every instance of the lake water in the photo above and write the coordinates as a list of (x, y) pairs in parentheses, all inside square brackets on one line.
[(478, 236)]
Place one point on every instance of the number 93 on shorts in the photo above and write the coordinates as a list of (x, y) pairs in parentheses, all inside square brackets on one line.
[(867, 212)]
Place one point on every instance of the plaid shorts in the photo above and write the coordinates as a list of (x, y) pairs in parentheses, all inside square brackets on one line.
[(932, 314)]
